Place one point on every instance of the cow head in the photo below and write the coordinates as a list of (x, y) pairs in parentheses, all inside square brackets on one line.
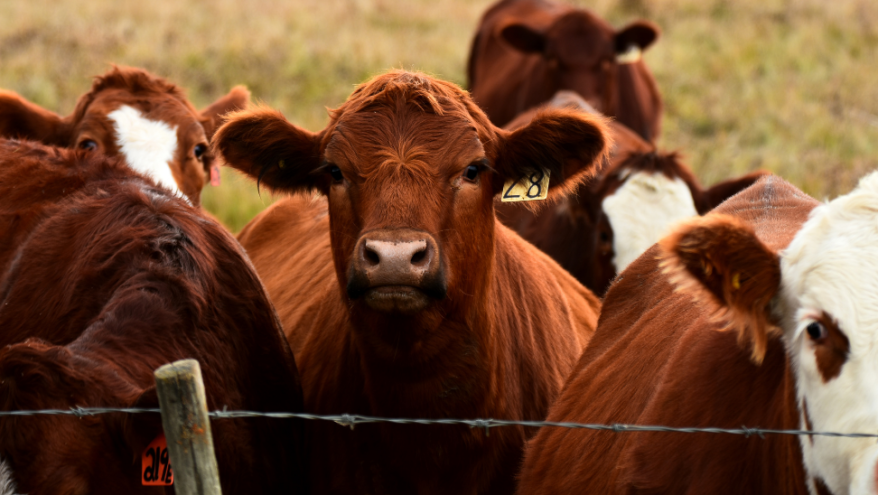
[(410, 166), (131, 113), (640, 197), (587, 55), (820, 295), (58, 454)]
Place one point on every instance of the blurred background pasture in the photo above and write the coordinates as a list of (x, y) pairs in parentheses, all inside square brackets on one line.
[(790, 86)]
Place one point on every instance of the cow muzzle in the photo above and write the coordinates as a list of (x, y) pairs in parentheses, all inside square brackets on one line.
[(397, 271)]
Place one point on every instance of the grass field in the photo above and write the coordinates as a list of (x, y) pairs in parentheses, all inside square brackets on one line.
[(789, 86)]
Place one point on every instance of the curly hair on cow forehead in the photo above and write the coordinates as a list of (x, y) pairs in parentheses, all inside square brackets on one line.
[(420, 90), (136, 81)]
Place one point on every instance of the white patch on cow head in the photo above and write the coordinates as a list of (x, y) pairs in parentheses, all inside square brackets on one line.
[(148, 145), (7, 481), (642, 210), (831, 268)]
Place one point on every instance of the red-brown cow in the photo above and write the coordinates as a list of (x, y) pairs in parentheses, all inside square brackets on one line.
[(133, 114), (104, 277), (526, 50), (627, 208), (402, 295), (794, 287)]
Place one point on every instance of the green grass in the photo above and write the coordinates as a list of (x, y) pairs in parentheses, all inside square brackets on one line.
[(788, 86)]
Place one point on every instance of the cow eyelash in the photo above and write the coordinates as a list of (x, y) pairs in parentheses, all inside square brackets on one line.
[(472, 171)]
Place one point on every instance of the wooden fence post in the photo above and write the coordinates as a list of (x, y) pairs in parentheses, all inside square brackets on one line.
[(187, 428)]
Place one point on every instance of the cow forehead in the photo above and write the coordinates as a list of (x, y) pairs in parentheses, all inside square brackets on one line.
[(148, 145), (642, 210), (832, 264), (381, 144)]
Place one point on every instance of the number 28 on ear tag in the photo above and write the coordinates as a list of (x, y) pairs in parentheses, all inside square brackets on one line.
[(532, 186), (155, 464)]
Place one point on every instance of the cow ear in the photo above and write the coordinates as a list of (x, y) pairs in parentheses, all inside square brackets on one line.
[(137, 431), (212, 116), (21, 119), (639, 33), (724, 190), (264, 145), (570, 145), (524, 38), (720, 262)]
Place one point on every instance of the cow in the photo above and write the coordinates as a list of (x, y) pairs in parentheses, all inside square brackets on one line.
[(526, 50), (131, 113), (625, 209), (400, 292), (758, 314), (104, 277)]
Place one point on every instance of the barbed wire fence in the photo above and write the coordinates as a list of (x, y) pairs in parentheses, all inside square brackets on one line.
[(350, 420), (187, 442)]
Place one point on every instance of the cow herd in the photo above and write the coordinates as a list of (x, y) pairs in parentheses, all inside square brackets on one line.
[(396, 280)]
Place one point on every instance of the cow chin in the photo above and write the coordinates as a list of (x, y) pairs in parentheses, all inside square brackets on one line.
[(397, 299)]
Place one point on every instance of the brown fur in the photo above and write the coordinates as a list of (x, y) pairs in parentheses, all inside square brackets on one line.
[(832, 350), (501, 341), (659, 358), (526, 50), (103, 278), (576, 233), (154, 96)]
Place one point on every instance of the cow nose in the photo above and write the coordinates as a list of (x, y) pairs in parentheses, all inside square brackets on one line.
[(397, 270), (402, 256)]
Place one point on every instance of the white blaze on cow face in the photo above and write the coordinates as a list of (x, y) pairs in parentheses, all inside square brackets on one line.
[(642, 210), (148, 145), (831, 268)]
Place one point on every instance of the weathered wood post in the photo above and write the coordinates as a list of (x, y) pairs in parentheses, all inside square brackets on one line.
[(187, 428)]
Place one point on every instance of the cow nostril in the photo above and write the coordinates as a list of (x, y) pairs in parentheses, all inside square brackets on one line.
[(419, 256), (371, 256)]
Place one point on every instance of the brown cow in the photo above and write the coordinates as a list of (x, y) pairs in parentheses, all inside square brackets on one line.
[(794, 288), (402, 295), (613, 219), (526, 50), (133, 114), (104, 277)]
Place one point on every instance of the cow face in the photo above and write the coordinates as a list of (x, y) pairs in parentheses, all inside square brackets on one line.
[(588, 56), (410, 167), (821, 295), (133, 114), (639, 199)]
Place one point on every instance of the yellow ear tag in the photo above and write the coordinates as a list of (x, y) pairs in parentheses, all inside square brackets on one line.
[(736, 281), (532, 186), (630, 55)]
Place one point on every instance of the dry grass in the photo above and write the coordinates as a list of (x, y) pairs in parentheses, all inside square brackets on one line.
[(787, 86)]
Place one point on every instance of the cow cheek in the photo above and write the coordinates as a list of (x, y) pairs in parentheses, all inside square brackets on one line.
[(344, 229)]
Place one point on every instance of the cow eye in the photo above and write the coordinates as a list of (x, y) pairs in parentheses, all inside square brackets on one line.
[(88, 145), (816, 330), (199, 150), (471, 173), (335, 172)]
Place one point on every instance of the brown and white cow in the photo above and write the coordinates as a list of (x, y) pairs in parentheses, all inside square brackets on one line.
[(104, 277), (762, 314), (401, 293), (526, 50), (133, 114), (624, 210)]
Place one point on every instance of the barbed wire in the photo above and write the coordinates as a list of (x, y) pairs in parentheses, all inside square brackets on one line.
[(350, 420)]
